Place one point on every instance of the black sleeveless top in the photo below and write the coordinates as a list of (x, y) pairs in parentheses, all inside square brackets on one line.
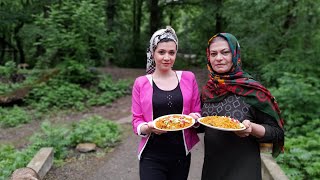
[(170, 144)]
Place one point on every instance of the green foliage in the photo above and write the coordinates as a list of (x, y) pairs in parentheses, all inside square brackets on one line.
[(77, 73), (107, 84), (57, 94), (96, 130), (276, 40), (290, 61), (12, 79), (182, 63), (61, 94), (11, 117), (301, 158), (193, 20), (6, 88), (8, 69), (74, 30), (51, 136), (108, 91), (299, 100), (11, 159)]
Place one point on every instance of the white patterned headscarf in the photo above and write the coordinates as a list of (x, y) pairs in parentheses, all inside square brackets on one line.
[(167, 33)]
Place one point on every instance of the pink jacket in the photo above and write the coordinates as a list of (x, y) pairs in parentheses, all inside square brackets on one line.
[(142, 106)]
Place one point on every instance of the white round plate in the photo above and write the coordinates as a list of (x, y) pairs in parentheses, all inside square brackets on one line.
[(154, 122)]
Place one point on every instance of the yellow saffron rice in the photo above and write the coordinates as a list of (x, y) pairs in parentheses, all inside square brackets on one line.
[(221, 121)]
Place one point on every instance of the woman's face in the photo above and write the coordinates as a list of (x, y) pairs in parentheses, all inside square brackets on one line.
[(165, 55), (220, 56)]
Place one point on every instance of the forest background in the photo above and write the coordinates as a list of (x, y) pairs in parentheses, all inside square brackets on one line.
[(280, 43)]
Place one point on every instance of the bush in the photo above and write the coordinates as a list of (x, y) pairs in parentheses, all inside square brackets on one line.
[(57, 94), (77, 73), (96, 130), (73, 30), (299, 100), (55, 136), (8, 69), (11, 117), (301, 159), (108, 91), (11, 159)]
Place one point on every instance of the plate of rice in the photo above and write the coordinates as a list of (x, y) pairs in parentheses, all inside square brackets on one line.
[(173, 122), (224, 123)]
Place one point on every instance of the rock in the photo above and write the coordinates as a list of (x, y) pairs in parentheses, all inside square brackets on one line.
[(86, 147), (25, 174)]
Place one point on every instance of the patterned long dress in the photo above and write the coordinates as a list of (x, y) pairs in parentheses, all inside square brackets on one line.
[(228, 156)]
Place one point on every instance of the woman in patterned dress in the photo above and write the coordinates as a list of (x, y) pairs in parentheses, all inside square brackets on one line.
[(232, 92)]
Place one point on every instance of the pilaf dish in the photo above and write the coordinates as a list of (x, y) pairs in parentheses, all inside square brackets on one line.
[(222, 122), (174, 122)]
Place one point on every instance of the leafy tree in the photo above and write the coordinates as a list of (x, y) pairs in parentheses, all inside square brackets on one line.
[(15, 15), (74, 30), (299, 99)]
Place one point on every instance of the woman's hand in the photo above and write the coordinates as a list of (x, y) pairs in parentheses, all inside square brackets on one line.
[(246, 132), (194, 115), (149, 128), (253, 129)]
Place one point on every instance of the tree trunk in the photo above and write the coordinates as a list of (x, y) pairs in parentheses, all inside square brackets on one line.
[(3, 49), (11, 49), (219, 20), (40, 50), (154, 16), (289, 21), (137, 14), (290, 18), (136, 47), (19, 43), (110, 13)]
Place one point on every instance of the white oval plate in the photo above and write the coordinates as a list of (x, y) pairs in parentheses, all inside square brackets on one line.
[(220, 128)]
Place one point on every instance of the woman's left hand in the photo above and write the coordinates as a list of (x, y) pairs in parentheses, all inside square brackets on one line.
[(194, 116), (246, 132)]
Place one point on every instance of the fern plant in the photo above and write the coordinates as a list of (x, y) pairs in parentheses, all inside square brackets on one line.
[(301, 159), (51, 136), (96, 130), (11, 117)]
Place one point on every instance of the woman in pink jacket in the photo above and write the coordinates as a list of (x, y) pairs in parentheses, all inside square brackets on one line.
[(164, 155)]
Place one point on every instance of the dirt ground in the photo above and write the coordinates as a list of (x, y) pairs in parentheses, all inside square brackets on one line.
[(79, 165)]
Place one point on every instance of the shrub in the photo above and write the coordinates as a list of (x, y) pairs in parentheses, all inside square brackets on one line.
[(77, 73), (108, 91), (55, 136), (11, 159), (301, 159), (57, 94), (11, 117), (299, 100), (96, 130), (8, 69)]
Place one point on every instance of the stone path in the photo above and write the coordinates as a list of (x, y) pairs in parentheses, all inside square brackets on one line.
[(123, 164)]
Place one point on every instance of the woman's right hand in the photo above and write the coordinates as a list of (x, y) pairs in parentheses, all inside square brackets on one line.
[(149, 128)]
